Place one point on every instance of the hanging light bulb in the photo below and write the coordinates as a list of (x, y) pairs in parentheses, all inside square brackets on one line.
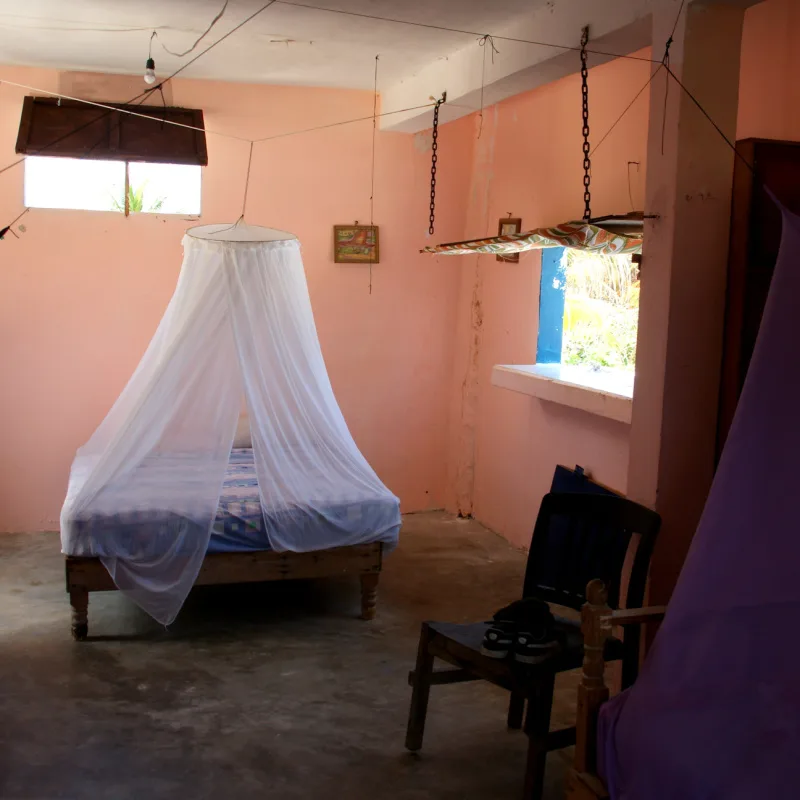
[(150, 71)]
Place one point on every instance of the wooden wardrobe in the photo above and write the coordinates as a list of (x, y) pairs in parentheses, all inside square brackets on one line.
[(754, 243)]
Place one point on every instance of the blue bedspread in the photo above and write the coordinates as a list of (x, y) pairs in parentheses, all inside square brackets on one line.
[(241, 525)]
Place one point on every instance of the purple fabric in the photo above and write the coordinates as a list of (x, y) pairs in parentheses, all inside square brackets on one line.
[(715, 713)]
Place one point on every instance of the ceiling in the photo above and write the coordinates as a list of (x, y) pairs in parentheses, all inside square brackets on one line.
[(284, 44)]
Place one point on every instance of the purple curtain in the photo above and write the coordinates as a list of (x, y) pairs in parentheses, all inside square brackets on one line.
[(716, 710)]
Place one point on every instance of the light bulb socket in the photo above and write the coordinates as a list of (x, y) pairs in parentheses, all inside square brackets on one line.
[(150, 72)]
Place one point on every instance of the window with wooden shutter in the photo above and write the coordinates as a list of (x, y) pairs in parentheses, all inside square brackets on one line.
[(70, 129)]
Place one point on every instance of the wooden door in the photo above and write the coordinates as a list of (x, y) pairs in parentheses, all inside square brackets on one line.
[(754, 243)]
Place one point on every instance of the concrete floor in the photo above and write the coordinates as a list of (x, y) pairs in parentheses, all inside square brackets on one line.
[(262, 691)]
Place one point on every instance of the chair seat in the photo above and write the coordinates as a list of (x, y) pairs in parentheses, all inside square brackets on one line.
[(469, 637), (584, 532)]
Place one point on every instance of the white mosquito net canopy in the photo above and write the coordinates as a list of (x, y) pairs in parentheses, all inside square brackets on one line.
[(144, 490)]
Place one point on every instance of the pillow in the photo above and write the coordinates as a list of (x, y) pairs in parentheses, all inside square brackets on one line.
[(242, 436)]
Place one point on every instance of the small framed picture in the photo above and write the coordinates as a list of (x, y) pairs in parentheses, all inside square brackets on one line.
[(506, 226), (356, 244)]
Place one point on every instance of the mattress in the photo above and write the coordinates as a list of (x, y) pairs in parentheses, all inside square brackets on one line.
[(240, 525)]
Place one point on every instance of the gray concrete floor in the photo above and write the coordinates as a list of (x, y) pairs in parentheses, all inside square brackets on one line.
[(262, 691)]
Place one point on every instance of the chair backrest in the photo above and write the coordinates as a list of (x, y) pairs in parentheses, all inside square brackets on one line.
[(576, 480), (581, 536)]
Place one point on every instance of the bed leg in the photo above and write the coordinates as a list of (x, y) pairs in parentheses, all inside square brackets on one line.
[(79, 600), (369, 594)]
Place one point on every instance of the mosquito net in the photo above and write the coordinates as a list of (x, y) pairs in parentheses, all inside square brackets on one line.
[(143, 492)]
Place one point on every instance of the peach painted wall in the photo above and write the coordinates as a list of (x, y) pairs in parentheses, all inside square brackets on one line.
[(504, 446), (82, 292), (769, 93)]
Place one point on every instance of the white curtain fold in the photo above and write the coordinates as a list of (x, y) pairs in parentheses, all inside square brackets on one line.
[(144, 490)]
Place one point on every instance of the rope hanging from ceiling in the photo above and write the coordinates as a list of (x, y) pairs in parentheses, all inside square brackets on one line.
[(583, 49), (372, 170), (486, 42)]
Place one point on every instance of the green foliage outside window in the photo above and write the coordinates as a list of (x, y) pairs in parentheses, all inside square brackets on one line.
[(136, 201), (601, 310)]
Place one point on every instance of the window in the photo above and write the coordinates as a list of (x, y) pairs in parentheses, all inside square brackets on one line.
[(588, 310), (92, 185), (73, 183), (164, 188), (109, 160)]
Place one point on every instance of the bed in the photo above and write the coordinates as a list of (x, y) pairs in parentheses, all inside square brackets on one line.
[(239, 548)]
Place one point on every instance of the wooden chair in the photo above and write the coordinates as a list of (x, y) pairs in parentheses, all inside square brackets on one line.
[(577, 537), (597, 621)]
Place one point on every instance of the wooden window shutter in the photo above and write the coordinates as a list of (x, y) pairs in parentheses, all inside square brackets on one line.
[(70, 129)]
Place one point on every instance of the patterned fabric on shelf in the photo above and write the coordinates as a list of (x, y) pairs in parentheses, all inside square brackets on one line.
[(579, 235)]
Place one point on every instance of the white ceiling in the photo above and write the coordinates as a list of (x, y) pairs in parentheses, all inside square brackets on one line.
[(323, 49)]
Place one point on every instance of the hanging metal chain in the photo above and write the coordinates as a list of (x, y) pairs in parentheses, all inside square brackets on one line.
[(587, 163), (434, 159)]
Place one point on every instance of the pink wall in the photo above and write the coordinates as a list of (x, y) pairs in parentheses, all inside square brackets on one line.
[(528, 161), (503, 446), (82, 292), (769, 93)]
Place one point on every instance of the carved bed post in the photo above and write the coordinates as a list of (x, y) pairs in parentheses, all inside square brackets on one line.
[(369, 594), (79, 600), (592, 691)]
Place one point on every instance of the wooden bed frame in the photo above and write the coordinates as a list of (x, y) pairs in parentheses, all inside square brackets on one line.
[(86, 575), (597, 620)]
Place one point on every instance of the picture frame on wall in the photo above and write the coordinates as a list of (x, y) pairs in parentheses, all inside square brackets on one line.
[(356, 244), (507, 226)]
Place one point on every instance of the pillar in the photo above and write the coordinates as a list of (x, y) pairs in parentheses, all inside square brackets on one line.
[(682, 303)]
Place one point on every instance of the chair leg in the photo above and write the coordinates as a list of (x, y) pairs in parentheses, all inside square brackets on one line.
[(516, 710), (420, 692), (537, 726)]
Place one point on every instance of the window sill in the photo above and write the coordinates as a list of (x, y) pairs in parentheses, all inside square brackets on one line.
[(607, 394)]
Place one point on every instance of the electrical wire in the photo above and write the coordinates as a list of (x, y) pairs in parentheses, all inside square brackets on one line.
[(677, 20), (713, 123), (8, 228), (284, 2), (627, 109), (160, 84), (485, 41), (477, 34), (112, 109), (147, 92), (247, 180), (124, 110), (351, 14), (221, 39), (68, 28), (344, 122), (630, 190), (664, 63), (199, 39)]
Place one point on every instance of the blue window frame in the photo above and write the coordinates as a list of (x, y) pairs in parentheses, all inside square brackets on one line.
[(552, 292)]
